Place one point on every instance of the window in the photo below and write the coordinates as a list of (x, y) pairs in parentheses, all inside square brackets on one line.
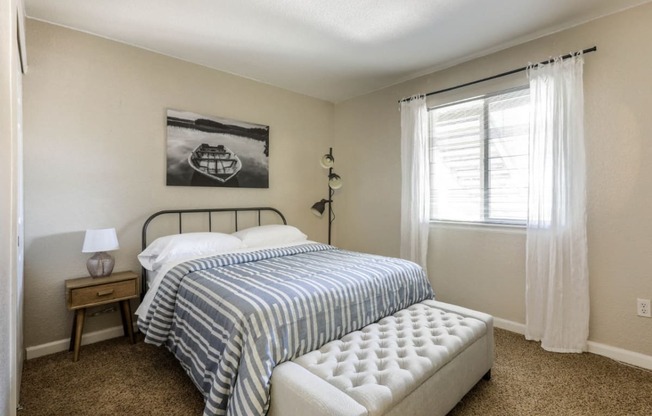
[(479, 159)]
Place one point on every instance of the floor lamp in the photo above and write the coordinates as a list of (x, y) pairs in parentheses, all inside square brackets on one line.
[(334, 182)]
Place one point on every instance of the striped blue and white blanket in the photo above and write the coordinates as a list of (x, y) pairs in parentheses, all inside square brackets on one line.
[(231, 318)]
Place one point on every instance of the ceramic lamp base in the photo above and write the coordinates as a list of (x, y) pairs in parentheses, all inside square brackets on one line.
[(100, 264)]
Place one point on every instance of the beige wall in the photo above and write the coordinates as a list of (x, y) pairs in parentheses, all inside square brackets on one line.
[(95, 156), (483, 268)]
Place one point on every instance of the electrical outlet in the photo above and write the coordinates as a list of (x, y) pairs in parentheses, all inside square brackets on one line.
[(643, 308)]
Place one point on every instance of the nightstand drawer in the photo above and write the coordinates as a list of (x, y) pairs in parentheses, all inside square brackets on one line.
[(109, 292)]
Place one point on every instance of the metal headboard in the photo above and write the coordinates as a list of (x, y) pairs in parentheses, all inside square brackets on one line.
[(209, 212)]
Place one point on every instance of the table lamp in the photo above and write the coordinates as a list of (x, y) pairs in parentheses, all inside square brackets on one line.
[(99, 242)]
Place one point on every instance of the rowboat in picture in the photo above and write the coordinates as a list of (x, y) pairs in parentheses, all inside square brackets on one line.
[(215, 162)]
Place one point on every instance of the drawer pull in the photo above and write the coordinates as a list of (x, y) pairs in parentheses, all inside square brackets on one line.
[(105, 292)]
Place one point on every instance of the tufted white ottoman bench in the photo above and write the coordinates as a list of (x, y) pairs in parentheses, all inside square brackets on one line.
[(420, 361)]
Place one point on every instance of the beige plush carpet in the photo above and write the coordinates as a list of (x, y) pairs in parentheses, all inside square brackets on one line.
[(117, 378)]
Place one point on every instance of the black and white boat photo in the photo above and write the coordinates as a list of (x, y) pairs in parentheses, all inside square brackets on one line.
[(215, 162), (215, 151)]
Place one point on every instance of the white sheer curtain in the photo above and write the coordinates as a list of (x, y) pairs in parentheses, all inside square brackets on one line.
[(415, 189), (557, 277)]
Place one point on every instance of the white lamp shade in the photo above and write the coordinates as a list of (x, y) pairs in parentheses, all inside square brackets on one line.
[(327, 161), (334, 181), (100, 240)]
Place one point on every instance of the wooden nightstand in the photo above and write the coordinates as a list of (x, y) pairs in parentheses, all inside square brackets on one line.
[(85, 292)]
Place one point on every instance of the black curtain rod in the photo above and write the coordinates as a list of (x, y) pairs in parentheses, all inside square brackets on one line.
[(504, 74)]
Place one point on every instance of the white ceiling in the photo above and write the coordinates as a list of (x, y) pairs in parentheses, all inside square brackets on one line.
[(329, 49)]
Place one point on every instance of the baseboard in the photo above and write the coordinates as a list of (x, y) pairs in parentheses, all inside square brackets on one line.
[(510, 326), (615, 353), (63, 344), (622, 355), (619, 354)]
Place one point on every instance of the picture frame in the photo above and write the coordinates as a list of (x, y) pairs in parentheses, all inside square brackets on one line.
[(213, 151)]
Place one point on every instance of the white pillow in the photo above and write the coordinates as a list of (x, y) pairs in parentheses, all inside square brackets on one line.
[(270, 235), (180, 246)]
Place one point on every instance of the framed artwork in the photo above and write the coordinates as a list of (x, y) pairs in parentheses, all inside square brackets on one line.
[(215, 151)]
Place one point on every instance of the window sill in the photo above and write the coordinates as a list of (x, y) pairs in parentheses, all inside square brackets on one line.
[(479, 226)]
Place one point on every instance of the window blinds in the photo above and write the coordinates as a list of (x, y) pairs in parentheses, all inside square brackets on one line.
[(479, 159)]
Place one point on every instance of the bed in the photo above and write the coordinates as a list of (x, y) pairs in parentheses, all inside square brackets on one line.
[(234, 307)]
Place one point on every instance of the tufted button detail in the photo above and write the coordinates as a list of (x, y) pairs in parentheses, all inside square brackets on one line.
[(400, 350)]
